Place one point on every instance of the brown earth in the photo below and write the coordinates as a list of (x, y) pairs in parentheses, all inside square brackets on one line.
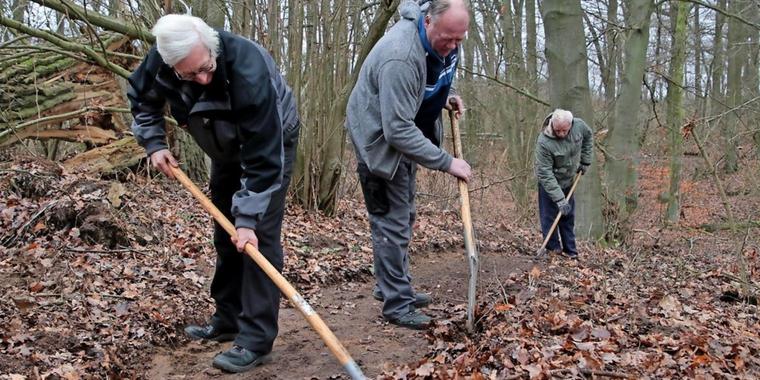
[(354, 317)]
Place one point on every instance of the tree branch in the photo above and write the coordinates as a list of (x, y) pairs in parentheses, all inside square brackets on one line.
[(505, 84), (64, 44), (109, 23), (719, 10)]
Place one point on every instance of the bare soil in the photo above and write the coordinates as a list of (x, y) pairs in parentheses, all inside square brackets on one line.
[(354, 316)]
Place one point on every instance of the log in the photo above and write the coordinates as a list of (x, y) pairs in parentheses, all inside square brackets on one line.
[(41, 106), (86, 134), (713, 227), (106, 159)]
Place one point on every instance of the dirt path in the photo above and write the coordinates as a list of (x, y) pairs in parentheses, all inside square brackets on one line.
[(354, 317)]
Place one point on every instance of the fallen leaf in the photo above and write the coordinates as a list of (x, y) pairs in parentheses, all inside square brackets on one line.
[(424, 370)]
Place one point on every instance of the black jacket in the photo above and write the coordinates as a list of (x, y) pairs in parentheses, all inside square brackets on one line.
[(241, 118)]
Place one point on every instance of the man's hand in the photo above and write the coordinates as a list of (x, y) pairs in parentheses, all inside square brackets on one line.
[(162, 159), (244, 236), (461, 169), (582, 169), (564, 207), (454, 103)]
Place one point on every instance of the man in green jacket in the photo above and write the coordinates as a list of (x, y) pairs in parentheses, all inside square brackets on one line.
[(564, 148)]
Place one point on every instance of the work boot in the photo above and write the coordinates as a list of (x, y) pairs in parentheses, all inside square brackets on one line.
[(238, 359), (571, 255), (210, 332), (420, 299), (413, 320)]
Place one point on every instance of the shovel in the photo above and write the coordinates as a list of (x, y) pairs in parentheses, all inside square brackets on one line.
[(295, 298), (469, 234), (542, 251)]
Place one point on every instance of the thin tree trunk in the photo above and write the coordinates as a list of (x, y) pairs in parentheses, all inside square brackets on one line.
[(569, 89), (736, 56), (697, 55), (715, 97), (610, 42), (679, 14)]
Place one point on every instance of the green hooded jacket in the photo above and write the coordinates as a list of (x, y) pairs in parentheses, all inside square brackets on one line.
[(557, 159)]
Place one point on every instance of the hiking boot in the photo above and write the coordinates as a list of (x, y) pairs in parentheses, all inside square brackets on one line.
[(571, 255), (420, 299), (238, 359), (210, 332), (413, 320)]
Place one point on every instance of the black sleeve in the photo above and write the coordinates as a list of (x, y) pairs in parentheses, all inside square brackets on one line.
[(262, 155), (147, 105)]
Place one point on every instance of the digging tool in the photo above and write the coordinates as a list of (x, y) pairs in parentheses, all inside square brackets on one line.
[(470, 245), (542, 251), (288, 290)]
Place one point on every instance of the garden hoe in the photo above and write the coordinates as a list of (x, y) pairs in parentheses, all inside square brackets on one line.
[(295, 298), (470, 245), (542, 251)]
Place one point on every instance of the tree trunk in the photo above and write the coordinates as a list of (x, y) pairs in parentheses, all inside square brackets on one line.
[(191, 157), (622, 141), (736, 53), (609, 75), (18, 8), (679, 16), (715, 99), (319, 164), (753, 65), (698, 57), (568, 80)]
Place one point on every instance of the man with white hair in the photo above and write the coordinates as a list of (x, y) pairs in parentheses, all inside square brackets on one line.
[(227, 93), (394, 119), (564, 148)]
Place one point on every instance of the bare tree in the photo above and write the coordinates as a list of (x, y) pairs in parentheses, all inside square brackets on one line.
[(622, 141), (568, 81), (679, 12)]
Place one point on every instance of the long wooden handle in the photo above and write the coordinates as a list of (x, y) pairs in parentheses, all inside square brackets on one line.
[(469, 234), (559, 215), (288, 290)]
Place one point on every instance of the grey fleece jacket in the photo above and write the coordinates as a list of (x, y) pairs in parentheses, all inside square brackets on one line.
[(386, 98)]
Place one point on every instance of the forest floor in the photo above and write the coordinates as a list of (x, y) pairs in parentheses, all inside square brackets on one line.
[(99, 277)]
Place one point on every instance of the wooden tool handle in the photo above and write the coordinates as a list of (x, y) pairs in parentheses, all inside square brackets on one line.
[(469, 233), (288, 290), (559, 215)]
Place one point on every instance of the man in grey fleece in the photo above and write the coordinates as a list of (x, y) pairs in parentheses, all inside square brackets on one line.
[(394, 120)]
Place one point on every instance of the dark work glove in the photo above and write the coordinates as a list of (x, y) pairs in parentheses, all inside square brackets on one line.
[(582, 169), (564, 207)]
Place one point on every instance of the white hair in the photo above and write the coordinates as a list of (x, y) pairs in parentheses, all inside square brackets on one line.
[(562, 116), (177, 34)]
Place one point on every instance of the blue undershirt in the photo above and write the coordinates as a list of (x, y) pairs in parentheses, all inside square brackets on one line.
[(440, 75)]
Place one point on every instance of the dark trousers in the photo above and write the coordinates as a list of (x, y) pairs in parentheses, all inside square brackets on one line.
[(246, 299), (565, 230), (391, 209)]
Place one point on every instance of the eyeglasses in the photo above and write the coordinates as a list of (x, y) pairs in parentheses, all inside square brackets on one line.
[(208, 67)]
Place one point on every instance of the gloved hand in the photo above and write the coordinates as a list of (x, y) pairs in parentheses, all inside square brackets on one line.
[(564, 207), (582, 169)]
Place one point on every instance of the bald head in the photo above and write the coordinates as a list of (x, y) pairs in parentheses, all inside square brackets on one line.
[(446, 24)]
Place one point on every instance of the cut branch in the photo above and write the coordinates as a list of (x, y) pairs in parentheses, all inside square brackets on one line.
[(61, 42)]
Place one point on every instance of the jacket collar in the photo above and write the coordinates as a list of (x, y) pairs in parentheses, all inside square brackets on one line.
[(424, 38)]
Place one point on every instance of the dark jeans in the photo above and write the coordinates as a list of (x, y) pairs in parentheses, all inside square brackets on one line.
[(246, 299), (565, 230)]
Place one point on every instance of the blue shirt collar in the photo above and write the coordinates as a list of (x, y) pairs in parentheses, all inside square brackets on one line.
[(424, 39)]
